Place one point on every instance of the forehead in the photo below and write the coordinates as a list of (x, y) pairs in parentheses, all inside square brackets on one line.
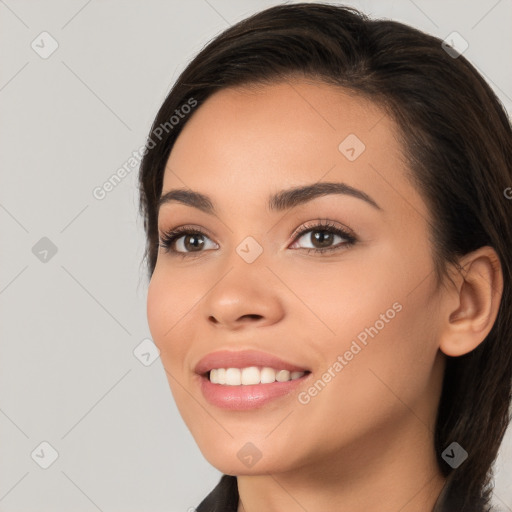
[(281, 116), (286, 134)]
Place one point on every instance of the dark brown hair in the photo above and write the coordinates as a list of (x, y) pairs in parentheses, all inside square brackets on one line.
[(457, 141)]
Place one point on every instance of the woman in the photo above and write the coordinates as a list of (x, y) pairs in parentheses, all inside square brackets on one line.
[(329, 248)]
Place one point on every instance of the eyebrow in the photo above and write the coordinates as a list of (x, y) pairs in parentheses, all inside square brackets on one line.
[(282, 200)]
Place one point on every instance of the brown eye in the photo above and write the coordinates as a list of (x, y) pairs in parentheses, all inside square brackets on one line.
[(323, 236), (183, 241)]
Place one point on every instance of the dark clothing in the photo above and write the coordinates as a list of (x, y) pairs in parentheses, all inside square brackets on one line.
[(224, 497)]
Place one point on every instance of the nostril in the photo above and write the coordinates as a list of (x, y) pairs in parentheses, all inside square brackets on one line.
[(252, 316)]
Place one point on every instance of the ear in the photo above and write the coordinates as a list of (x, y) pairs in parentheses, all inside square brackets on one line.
[(471, 306)]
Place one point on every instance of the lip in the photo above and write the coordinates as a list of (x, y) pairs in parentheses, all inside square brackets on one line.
[(243, 398), (243, 359)]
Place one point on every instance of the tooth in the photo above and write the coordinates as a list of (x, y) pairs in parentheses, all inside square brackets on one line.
[(251, 375), (233, 377), (282, 375), (221, 375), (268, 375)]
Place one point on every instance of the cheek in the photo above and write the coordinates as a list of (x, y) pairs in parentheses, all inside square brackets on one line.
[(166, 305), (155, 306), (173, 299), (381, 322)]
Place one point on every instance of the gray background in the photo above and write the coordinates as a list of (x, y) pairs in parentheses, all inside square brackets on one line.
[(70, 323)]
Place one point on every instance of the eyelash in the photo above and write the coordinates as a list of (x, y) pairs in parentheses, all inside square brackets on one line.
[(169, 237)]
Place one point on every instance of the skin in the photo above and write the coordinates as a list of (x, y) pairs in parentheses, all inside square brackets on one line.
[(368, 435)]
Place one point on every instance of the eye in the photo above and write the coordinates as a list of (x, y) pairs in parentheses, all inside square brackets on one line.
[(324, 234), (186, 240), (182, 240)]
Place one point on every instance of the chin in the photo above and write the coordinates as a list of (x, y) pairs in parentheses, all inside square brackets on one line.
[(248, 460)]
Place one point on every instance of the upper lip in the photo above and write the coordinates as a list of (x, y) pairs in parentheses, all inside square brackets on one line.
[(243, 359)]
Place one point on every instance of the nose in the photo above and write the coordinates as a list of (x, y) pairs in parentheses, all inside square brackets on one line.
[(243, 298)]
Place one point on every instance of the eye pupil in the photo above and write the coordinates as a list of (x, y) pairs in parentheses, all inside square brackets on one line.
[(195, 245)]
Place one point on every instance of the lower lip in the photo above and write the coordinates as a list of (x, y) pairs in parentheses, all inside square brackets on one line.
[(245, 397)]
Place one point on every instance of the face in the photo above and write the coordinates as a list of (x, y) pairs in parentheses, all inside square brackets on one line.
[(339, 283)]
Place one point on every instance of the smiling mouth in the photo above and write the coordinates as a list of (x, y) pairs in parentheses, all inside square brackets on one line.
[(250, 376)]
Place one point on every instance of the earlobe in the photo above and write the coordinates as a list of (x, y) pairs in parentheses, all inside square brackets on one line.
[(473, 302)]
